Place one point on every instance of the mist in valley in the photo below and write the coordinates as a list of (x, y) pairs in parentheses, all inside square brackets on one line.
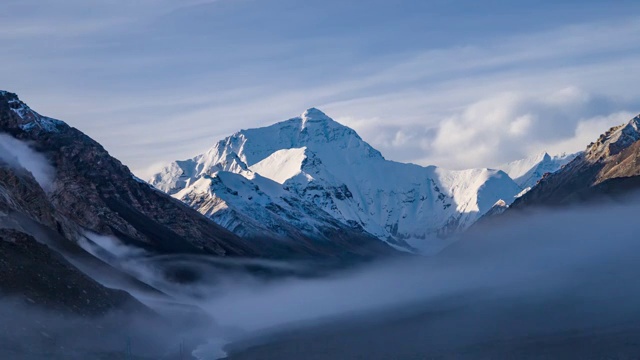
[(547, 275), (539, 280), (541, 274)]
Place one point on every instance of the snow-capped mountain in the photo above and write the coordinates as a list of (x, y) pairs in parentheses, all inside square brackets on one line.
[(313, 173), (528, 171), (95, 192)]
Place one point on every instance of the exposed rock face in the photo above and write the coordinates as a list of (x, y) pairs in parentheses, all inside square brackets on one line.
[(32, 270), (609, 166), (614, 141), (56, 184), (20, 192), (98, 193)]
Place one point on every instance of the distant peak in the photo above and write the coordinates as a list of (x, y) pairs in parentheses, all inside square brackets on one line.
[(615, 140), (314, 115), (9, 96)]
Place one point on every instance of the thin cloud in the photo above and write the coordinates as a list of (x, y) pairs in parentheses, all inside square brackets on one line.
[(20, 155), (153, 95)]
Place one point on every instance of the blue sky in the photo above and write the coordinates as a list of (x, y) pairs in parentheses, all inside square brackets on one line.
[(451, 83)]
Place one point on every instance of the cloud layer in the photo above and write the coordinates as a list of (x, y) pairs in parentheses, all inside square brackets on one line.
[(512, 125)]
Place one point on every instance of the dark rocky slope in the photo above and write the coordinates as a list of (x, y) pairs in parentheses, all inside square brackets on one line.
[(41, 276), (52, 310), (610, 167), (52, 292), (56, 299), (98, 193)]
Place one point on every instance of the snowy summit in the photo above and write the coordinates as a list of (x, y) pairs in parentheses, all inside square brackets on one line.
[(310, 169)]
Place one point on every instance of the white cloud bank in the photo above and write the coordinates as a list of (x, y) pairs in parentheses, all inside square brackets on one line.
[(512, 125)]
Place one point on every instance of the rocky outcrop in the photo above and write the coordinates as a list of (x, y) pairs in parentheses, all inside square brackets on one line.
[(609, 167), (56, 186), (98, 193), (20, 192)]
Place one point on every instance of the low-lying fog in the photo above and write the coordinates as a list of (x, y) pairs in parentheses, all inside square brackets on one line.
[(538, 275), (542, 272)]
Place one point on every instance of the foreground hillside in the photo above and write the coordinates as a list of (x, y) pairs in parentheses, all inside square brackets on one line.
[(59, 190)]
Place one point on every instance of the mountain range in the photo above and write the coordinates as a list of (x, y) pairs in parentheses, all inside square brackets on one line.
[(73, 218), (313, 177)]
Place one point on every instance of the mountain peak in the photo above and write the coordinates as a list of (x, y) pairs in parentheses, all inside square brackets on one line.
[(635, 122), (615, 140), (5, 93), (28, 119), (539, 157), (527, 172), (314, 115), (11, 98)]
